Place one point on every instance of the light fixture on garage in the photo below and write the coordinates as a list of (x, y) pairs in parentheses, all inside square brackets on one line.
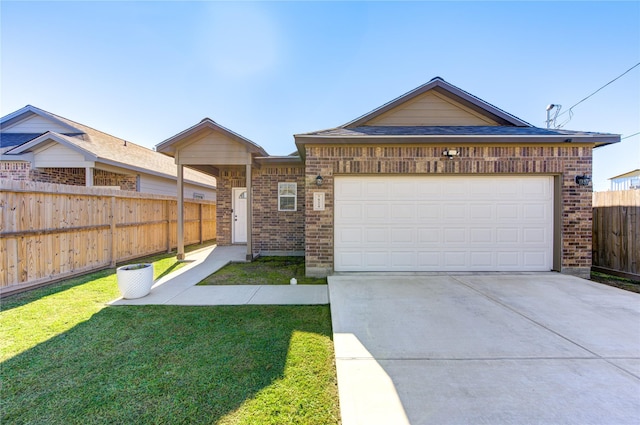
[(583, 180), (319, 180), (450, 153)]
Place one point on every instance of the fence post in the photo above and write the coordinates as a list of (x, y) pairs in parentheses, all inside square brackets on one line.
[(167, 214), (201, 226), (112, 216)]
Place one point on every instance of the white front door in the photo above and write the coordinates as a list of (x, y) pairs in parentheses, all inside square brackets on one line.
[(239, 217)]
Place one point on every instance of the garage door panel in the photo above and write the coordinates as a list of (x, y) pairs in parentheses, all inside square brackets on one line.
[(482, 259), (454, 211), (482, 212), (507, 235), (429, 235), (403, 236), (443, 223), (429, 260), (507, 212), (349, 211), (481, 235), (376, 235), (376, 211), (428, 211), (454, 235), (349, 235)]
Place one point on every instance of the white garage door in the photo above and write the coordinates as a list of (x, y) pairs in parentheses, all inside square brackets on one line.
[(443, 223)]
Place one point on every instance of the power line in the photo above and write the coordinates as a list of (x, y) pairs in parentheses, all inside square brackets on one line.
[(634, 66), (631, 135)]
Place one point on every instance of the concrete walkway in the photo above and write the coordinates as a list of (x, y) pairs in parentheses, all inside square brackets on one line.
[(179, 288), (534, 348)]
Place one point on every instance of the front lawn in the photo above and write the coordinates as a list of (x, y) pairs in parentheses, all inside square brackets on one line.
[(67, 358), (263, 271)]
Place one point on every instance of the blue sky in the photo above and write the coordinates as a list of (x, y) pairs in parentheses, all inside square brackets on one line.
[(144, 71)]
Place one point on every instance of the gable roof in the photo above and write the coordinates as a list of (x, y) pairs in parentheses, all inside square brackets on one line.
[(439, 85), (509, 129), (167, 147), (100, 147)]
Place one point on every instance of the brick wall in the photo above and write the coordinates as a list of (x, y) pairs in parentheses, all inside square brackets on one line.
[(71, 176), (14, 170), (107, 178), (19, 170), (561, 160), (272, 230), (228, 179), (275, 230)]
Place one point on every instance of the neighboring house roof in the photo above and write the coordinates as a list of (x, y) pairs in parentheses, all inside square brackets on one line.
[(168, 146), (99, 147), (633, 173)]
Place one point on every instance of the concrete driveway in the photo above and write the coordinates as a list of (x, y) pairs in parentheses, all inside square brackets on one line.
[(530, 348)]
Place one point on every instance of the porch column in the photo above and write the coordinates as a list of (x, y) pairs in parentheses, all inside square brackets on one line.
[(249, 213), (88, 177), (180, 223)]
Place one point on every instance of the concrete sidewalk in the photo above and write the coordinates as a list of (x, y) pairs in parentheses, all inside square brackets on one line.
[(179, 288)]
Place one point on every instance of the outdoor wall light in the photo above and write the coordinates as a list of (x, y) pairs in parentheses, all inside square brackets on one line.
[(450, 153), (583, 180), (319, 180)]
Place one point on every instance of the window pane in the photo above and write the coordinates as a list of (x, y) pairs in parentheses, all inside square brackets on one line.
[(287, 204)]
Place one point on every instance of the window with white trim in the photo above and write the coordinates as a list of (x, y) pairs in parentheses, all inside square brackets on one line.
[(287, 196)]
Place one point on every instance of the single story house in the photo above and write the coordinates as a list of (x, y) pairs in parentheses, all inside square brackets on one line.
[(37, 145), (435, 180), (626, 181)]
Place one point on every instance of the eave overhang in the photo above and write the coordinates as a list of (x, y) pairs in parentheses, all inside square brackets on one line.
[(596, 140)]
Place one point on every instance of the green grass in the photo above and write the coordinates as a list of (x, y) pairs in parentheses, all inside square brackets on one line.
[(616, 281), (67, 358), (263, 271)]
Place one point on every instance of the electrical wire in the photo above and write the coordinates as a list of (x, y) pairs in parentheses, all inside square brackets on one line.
[(570, 112), (631, 135)]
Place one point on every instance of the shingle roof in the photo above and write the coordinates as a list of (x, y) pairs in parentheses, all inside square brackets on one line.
[(113, 149), (448, 130), (15, 139)]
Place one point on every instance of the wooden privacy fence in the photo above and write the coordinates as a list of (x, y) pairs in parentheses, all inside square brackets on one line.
[(52, 231), (616, 233)]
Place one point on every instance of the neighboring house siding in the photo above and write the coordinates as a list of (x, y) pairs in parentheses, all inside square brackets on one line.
[(564, 161), (59, 156), (161, 186), (274, 231), (431, 109), (36, 124)]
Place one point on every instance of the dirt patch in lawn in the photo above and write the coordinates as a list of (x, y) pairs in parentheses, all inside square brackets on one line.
[(263, 271), (618, 282)]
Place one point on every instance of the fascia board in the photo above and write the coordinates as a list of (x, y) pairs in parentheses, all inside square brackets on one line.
[(33, 110), (511, 139), (166, 146), (55, 137)]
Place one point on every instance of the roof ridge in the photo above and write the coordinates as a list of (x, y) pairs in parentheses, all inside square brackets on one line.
[(73, 123)]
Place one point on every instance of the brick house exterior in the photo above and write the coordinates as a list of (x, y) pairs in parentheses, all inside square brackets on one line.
[(436, 130), (37, 145)]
